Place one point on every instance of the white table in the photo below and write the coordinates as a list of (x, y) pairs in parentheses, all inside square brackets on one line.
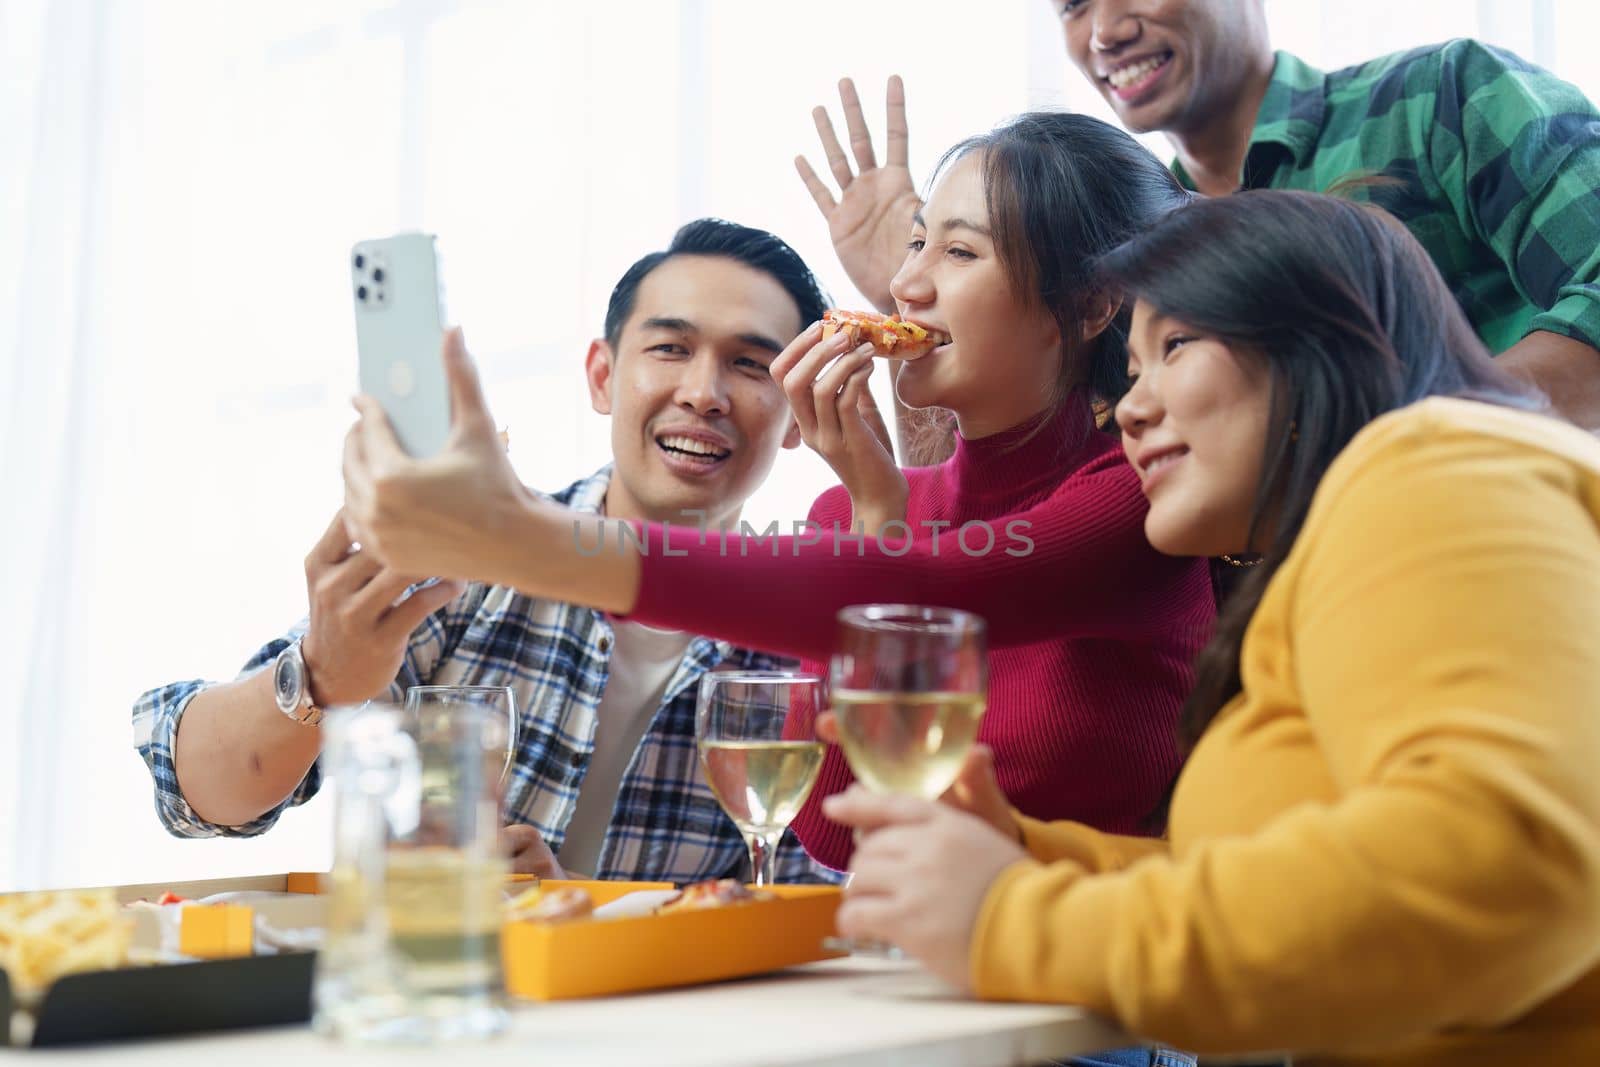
[(842, 1013)]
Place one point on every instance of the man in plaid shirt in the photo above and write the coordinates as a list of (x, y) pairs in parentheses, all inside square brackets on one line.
[(605, 780)]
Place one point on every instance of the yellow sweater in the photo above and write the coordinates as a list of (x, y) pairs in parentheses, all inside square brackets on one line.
[(1386, 849)]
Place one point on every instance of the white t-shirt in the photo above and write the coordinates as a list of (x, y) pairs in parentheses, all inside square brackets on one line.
[(643, 660)]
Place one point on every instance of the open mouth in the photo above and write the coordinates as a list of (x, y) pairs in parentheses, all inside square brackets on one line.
[(938, 337), (691, 452), (1134, 79), (1161, 464)]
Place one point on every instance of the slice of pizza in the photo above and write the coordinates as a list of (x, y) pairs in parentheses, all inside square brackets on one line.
[(713, 894), (890, 335), (551, 906)]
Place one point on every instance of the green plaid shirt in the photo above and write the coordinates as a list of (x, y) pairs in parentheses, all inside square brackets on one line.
[(1499, 170)]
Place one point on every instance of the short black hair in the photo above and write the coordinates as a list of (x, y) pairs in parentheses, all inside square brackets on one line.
[(755, 248)]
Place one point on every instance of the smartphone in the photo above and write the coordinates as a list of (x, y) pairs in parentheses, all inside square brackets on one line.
[(399, 331)]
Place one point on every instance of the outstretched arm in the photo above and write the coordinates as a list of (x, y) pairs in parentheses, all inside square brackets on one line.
[(1078, 563)]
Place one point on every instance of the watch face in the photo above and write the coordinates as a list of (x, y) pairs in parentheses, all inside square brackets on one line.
[(288, 679)]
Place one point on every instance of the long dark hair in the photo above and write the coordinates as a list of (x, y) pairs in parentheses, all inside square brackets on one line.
[(1352, 320), (1061, 190)]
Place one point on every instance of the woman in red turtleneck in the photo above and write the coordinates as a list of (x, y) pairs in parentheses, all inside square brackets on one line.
[(1091, 631), (1081, 721)]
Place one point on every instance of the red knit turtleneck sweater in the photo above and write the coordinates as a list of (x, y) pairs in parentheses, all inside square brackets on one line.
[(1091, 631)]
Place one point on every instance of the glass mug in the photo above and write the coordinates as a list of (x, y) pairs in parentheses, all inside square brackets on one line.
[(412, 950)]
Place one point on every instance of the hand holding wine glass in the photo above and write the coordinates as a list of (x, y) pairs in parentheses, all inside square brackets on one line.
[(920, 877), (909, 685), (975, 790)]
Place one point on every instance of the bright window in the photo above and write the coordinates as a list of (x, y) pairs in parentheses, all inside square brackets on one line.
[(181, 181)]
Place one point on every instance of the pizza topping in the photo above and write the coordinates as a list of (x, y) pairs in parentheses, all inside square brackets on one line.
[(713, 894), (551, 906), (890, 335)]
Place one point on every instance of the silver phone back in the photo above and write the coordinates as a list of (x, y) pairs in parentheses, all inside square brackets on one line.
[(394, 283)]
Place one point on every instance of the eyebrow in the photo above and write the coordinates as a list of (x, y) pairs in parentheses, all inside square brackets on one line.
[(954, 224), (1152, 325), (754, 340), (1156, 321), (665, 323)]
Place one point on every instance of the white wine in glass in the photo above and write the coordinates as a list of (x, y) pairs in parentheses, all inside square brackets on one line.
[(761, 784), (754, 731), (909, 686), (910, 743)]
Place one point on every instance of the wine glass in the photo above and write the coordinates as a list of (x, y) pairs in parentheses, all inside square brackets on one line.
[(430, 709), (908, 689), (761, 755)]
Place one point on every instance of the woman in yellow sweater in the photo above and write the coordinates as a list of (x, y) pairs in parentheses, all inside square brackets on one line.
[(1385, 847)]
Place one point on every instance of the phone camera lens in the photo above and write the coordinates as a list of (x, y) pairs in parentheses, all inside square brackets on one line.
[(377, 274), (361, 261), (361, 292)]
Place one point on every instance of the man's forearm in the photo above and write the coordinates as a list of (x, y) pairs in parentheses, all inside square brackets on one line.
[(1567, 370), (236, 755)]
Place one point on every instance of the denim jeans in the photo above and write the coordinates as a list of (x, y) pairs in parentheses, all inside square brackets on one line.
[(1136, 1057)]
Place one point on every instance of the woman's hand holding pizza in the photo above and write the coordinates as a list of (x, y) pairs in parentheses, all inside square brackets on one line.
[(826, 381)]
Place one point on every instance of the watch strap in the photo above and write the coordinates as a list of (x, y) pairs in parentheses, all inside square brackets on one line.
[(306, 712)]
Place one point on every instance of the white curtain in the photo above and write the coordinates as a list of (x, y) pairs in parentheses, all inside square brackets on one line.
[(179, 182), (50, 223)]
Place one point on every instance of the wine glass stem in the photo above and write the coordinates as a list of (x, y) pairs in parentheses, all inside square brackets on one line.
[(763, 856)]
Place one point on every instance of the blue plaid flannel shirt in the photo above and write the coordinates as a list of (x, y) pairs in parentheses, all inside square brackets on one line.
[(666, 825)]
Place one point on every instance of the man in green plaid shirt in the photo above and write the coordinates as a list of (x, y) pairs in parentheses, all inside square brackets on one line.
[(1492, 163), (1495, 163)]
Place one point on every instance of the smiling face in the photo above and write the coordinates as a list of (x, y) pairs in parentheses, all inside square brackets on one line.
[(1194, 425), (1004, 356), (1172, 65), (696, 419)]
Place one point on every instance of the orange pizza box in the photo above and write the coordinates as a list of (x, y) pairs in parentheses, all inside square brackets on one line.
[(542, 961), (217, 918), (594, 957), (216, 931), (298, 882)]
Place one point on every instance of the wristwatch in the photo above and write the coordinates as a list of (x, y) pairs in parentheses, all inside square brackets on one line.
[(292, 683)]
